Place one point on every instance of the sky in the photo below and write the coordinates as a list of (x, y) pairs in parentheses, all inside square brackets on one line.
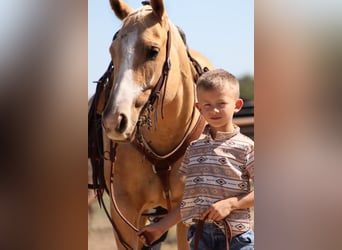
[(223, 31)]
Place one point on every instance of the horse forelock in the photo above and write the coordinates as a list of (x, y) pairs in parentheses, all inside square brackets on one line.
[(135, 16), (144, 15)]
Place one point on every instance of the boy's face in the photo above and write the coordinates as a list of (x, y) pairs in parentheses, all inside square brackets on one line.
[(218, 107)]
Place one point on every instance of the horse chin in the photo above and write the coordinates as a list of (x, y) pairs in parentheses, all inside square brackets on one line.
[(127, 136)]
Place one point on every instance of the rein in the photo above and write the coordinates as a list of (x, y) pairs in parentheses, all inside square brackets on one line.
[(199, 234), (161, 165)]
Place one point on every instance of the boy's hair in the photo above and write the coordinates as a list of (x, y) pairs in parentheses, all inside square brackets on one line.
[(217, 79)]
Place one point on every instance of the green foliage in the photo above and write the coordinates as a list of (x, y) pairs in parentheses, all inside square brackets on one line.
[(247, 88)]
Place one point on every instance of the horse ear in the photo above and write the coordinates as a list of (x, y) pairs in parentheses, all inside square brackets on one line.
[(120, 8), (158, 8)]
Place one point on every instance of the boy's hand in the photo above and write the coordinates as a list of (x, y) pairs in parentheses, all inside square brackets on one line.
[(149, 234), (218, 210), (223, 208)]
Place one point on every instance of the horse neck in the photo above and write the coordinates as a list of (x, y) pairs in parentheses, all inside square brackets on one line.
[(179, 112)]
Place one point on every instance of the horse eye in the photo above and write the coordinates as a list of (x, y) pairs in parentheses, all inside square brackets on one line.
[(152, 53)]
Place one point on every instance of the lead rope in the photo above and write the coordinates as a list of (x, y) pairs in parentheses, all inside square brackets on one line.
[(199, 234), (228, 232), (112, 155)]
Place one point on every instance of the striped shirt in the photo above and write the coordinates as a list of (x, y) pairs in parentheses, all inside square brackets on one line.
[(217, 169)]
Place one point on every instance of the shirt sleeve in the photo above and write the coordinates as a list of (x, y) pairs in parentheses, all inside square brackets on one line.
[(250, 162), (183, 169)]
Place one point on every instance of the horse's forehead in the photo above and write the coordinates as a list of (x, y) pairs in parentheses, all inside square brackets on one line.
[(144, 14), (143, 22)]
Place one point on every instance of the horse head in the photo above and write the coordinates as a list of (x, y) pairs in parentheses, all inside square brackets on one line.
[(139, 53)]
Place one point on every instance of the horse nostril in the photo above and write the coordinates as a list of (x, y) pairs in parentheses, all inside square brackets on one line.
[(122, 123)]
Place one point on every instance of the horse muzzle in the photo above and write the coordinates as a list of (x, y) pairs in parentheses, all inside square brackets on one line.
[(116, 127)]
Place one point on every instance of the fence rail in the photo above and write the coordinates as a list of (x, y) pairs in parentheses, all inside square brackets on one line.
[(245, 119)]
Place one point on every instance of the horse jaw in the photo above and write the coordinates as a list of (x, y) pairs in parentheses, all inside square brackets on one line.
[(117, 137)]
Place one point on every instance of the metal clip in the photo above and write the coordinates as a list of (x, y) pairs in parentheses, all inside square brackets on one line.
[(154, 169), (167, 195)]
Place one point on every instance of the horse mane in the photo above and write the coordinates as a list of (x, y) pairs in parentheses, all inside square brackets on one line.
[(183, 36)]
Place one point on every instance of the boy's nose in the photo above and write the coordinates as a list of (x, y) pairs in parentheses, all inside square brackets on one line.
[(216, 110)]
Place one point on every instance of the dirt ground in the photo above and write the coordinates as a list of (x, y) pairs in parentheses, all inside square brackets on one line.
[(100, 232)]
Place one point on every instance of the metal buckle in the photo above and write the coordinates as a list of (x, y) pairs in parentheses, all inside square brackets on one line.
[(155, 171), (169, 194)]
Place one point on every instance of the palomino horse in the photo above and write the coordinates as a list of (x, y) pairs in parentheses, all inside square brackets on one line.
[(148, 117)]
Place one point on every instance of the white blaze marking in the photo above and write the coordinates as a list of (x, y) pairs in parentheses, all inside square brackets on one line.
[(126, 89)]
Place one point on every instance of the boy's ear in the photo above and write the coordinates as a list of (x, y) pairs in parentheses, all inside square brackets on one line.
[(238, 105)]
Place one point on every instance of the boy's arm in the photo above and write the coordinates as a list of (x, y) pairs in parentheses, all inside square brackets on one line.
[(223, 208), (153, 232)]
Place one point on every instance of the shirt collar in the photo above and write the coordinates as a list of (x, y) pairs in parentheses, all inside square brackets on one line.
[(221, 136)]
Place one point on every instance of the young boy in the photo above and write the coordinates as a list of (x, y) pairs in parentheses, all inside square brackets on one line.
[(218, 168)]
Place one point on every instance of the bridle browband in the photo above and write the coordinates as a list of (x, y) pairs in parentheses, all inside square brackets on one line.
[(161, 164)]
